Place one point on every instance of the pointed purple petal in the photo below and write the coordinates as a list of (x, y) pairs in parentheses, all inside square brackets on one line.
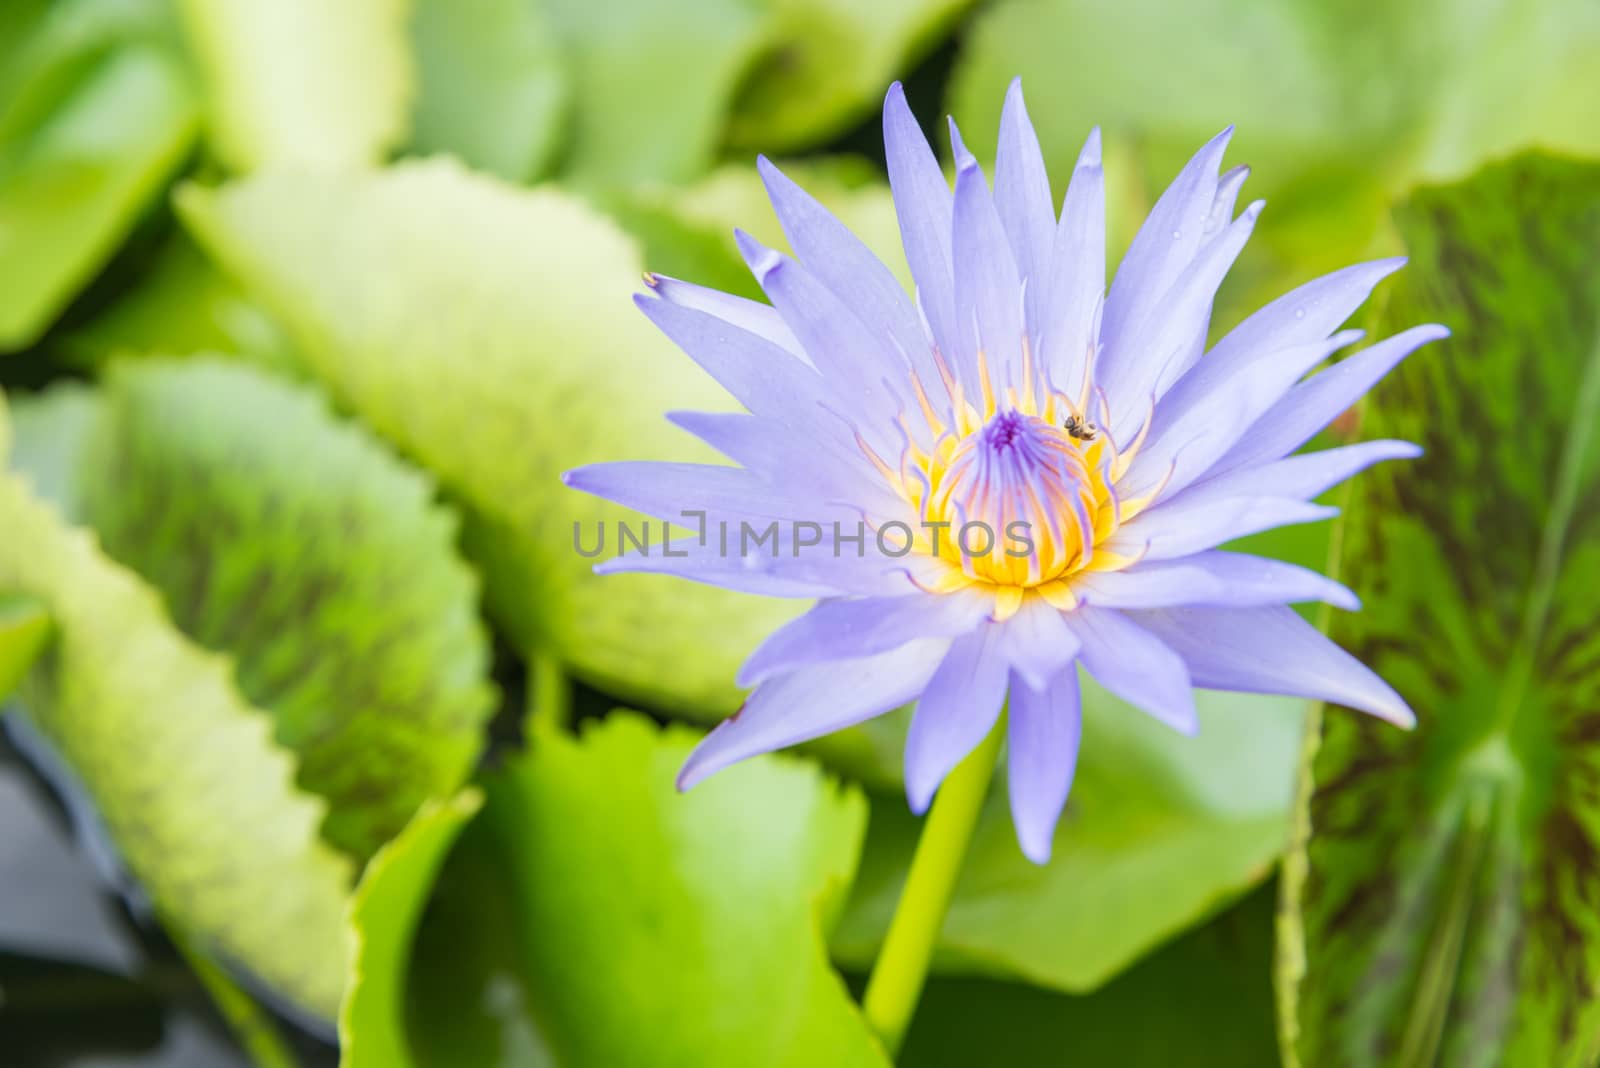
[(838, 258), (810, 466), (1043, 732), (988, 291), (1211, 578), (1305, 476), (863, 368), (667, 490), (1022, 198), (1187, 442), (923, 203), (759, 319), (1166, 243), (1077, 274), (1299, 317), (958, 709), (1179, 527), (840, 628), (1228, 187), (1315, 403), (1147, 358), (1038, 642), (813, 702), (1272, 650), (1135, 665), (747, 440), (775, 569), (760, 375)]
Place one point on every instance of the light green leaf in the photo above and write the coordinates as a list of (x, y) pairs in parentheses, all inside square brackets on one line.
[(1160, 831), (50, 429), (652, 83), (19, 21), (97, 119), (592, 915), (303, 83), (687, 231), (492, 86), (296, 544), (25, 630), (830, 65), (384, 915), (1204, 1001), (1337, 104), (182, 304), (1443, 886), (197, 797), (487, 332)]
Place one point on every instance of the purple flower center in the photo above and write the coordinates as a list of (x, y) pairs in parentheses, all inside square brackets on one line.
[(1022, 497)]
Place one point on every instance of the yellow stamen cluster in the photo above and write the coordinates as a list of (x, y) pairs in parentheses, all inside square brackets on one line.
[(1016, 492)]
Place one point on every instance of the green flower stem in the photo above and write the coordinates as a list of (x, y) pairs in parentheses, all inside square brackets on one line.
[(250, 1024), (549, 697), (902, 967)]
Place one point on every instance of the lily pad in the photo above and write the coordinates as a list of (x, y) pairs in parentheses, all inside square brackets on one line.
[(181, 305), (25, 630), (591, 915), (1202, 1001), (829, 66), (1441, 893), (96, 117), (320, 563), (1338, 106), (492, 84), (652, 83), (485, 330), (198, 798), (302, 83), (388, 906)]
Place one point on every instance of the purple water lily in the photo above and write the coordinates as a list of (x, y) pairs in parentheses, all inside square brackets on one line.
[(1020, 472)]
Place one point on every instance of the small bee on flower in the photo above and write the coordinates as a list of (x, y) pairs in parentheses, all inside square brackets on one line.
[(1081, 429)]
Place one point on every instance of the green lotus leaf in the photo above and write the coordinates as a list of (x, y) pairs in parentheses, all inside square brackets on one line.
[(1338, 105), (25, 630), (829, 66), (302, 83), (96, 116), (485, 330), (652, 83), (384, 916), (49, 431), (1202, 1001), (687, 231), (321, 564), (182, 304), (198, 798), (492, 84), (591, 915), (1441, 889)]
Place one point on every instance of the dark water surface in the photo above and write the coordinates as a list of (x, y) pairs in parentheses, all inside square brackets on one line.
[(84, 983)]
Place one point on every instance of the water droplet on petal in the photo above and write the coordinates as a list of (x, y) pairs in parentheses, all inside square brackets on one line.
[(1299, 313), (1177, 235)]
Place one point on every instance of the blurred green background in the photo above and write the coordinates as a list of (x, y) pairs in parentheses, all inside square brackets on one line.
[(318, 752)]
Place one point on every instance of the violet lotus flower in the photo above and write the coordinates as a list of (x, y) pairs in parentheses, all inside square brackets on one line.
[(1104, 449)]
